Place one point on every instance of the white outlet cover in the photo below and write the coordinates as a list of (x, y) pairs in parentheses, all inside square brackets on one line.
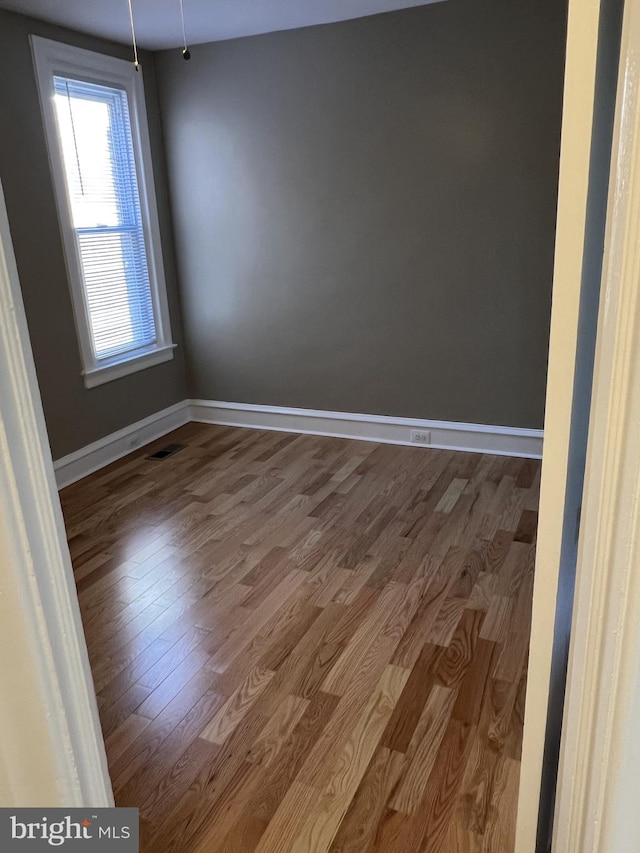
[(420, 436)]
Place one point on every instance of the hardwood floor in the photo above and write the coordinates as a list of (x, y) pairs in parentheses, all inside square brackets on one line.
[(309, 644)]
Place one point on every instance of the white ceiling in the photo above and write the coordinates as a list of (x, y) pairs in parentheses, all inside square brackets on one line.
[(158, 26)]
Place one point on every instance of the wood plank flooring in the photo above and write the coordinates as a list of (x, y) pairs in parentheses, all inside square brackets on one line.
[(309, 644)]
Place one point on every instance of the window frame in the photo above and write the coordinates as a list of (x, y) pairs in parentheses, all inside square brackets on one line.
[(51, 59)]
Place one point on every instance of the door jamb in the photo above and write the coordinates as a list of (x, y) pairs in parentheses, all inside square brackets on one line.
[(598, 777), (573, 188), (51, 745)]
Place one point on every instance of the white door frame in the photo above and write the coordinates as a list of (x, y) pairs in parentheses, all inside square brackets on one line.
[(51, 745), (599, 772), (597, 806), (573, 189)]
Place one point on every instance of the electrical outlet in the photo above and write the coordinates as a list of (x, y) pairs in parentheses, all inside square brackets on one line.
[(420, 436)]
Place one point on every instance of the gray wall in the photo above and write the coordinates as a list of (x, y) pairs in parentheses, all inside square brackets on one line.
[(75, 416), (364, 212)]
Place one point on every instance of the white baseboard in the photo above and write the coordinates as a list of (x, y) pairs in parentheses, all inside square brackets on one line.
[(479, 438), (447, 435), (94, 456)]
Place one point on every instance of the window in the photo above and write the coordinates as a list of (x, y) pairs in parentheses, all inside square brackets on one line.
[(95, 123)]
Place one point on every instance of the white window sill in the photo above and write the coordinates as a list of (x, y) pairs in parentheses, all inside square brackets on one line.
[(126, 365)]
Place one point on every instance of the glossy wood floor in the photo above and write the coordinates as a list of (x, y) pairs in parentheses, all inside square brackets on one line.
[(309, 644)]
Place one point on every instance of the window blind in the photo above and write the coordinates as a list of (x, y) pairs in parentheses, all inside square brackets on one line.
[(100, 172)]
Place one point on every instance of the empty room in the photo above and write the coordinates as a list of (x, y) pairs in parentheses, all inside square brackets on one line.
[(287, 272)]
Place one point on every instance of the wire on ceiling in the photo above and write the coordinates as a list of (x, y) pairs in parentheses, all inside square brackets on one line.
[(133, 38), (186, 53)]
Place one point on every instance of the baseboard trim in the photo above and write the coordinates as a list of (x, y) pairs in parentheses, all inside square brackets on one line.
[(100, 453), (445, 435), (448, 435)]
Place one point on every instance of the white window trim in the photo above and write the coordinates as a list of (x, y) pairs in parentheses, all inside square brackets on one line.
[(53, 58)]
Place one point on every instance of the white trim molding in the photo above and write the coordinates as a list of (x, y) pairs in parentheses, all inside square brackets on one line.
[(447, 435), (597, 804), (577, 124), (106, 450), (478, 438), (51, 744), (130, 364), (53, 59)]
